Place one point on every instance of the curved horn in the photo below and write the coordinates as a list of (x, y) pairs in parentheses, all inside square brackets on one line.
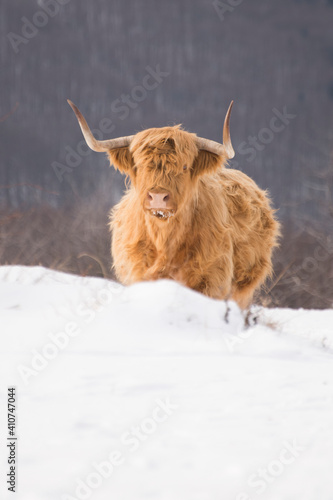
[(93, 143), (215, 147)]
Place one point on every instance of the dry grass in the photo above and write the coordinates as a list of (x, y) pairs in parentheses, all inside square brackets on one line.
[(303, 271), (73, 240), (76, 240)]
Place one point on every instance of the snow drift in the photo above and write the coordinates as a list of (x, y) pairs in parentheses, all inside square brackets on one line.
[(155, 391)]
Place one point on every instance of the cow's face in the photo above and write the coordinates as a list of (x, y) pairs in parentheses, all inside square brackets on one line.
[(163, 159), (164, 166)]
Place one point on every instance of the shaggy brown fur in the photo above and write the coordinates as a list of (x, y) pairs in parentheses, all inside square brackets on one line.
[(220, 239)]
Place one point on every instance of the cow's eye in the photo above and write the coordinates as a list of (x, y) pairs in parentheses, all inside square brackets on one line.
[(185, 168)]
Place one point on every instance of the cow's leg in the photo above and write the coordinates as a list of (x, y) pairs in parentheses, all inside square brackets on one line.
[(215, 283), (244, 296), (250, 280)]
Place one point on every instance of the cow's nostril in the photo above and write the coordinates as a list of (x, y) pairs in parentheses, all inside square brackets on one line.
[(166, 197), (149, 196)]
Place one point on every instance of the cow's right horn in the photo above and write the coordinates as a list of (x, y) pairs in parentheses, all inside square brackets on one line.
[(93, 143)]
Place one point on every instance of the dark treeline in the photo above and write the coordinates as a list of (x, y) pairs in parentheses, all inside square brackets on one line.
[(142, 63)]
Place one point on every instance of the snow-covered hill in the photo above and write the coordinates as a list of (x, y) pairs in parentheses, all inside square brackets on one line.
[(156, 392)]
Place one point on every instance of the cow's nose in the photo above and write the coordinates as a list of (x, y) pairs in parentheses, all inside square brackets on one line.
[(158, 200)]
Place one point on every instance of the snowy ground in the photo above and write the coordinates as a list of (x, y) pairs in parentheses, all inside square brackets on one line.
[(156, 392)]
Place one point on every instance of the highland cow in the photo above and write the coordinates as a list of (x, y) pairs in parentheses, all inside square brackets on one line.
[(186, 216)]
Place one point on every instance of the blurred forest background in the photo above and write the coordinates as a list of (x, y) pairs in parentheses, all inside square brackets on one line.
[(135, 64)]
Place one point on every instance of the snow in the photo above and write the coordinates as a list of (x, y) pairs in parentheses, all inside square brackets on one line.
[(157, 392)]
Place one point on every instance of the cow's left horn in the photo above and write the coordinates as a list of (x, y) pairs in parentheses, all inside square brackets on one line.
[(93, 143), (215, 147)]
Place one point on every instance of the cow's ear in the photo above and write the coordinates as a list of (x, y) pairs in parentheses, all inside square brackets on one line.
[(207, 163), (122, 160)]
